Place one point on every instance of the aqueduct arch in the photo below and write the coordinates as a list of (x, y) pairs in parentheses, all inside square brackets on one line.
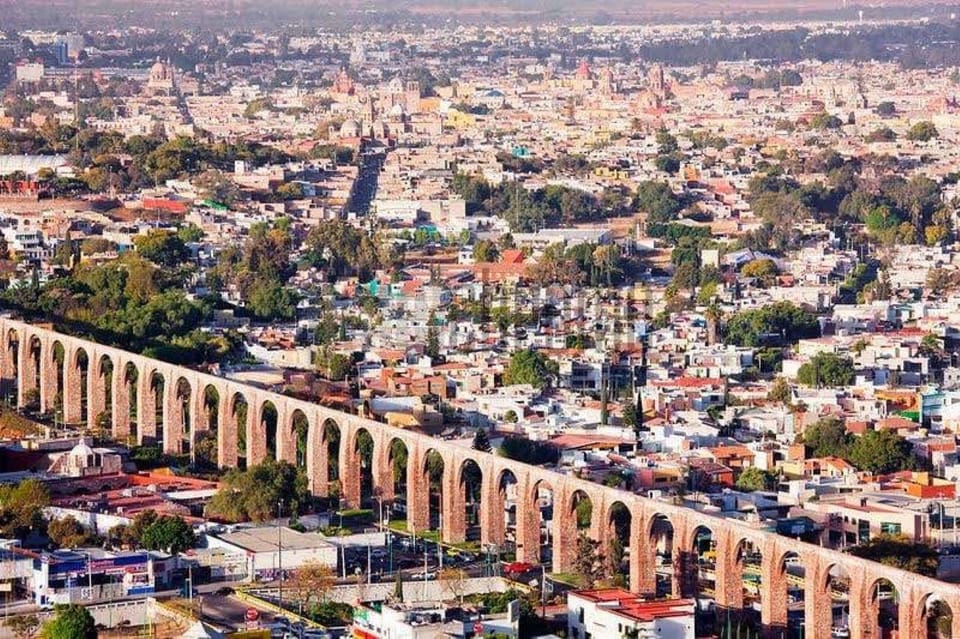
[(141, 395)]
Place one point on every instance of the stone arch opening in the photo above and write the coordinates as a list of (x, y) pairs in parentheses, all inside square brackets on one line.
[(57, 358), (470, 484), (700, 565), (750, 564), (29, 373), (506, 513), (158, 386), (239, 407), (581, 507), (837, 585), (399, 457), (662, 546), (102, 401), (792, 579), (206, 453), (331, 446), (130, 377), (936, 617), (618, 550), (76, 397), (884, 618), (299, 431), (363, 448), (267, 420), (543, 499), (10, 373), (182, 418), (433, 469)]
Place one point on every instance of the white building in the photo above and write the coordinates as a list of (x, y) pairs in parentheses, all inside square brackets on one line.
[(612, 612), (269, 549)]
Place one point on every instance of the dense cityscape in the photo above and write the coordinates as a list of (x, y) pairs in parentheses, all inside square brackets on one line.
[(451, 320)]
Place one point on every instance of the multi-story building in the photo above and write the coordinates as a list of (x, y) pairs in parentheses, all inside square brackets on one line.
[(615, 612)]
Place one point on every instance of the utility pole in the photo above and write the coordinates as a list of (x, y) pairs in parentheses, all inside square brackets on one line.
[(280, 554)]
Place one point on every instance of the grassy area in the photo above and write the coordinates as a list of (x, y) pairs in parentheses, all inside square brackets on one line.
[(14, 425), (469, 546), (567, 578), (399, 525), (355, 513), (429, 535)]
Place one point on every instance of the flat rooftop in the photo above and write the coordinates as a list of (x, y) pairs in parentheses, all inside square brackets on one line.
[(265, 539)]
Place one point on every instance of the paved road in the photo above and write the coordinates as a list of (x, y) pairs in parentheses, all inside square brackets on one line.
[(229, 613)]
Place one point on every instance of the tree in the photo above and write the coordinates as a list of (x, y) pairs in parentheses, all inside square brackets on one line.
[(290, 191), (21, 507), (780, 391), (753, 478), (527, 451), (433, 343), (589, 563), (886, 109), (629, 414), (171, 534), (23, 626), (529, 367), (827, 438), (659, 202), (762, 269), (67, 532), (485, 251), (880, 451), (922, 131), (900, 552), (827, 370), (881, 134), (780, 322), (454, 581), (71, 621), (481, 441), (270, 300), (312, 582), (667, 163), (334, 366), (253, 494), (162, 248)]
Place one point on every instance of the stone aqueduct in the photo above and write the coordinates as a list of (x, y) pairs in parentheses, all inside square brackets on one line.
[(30, 362)]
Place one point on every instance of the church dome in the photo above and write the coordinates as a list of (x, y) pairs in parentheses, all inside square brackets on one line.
[(350, 129)]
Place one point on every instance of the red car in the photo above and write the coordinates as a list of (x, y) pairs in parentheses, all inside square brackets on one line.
[(517, 568)]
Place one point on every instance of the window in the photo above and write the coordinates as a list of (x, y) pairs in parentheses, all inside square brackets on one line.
[(889, 528), (863, 531)]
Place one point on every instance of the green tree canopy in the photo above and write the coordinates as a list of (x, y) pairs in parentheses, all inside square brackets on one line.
[(162, 248), (21, 507), (170, 534), (922, 131), (753, 478), (67, 532), (253, 494), (71, 621), (827, 438), (780, 322), (827, 370), (880, 451), (527, 451), (529, 367), (900, 552)]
